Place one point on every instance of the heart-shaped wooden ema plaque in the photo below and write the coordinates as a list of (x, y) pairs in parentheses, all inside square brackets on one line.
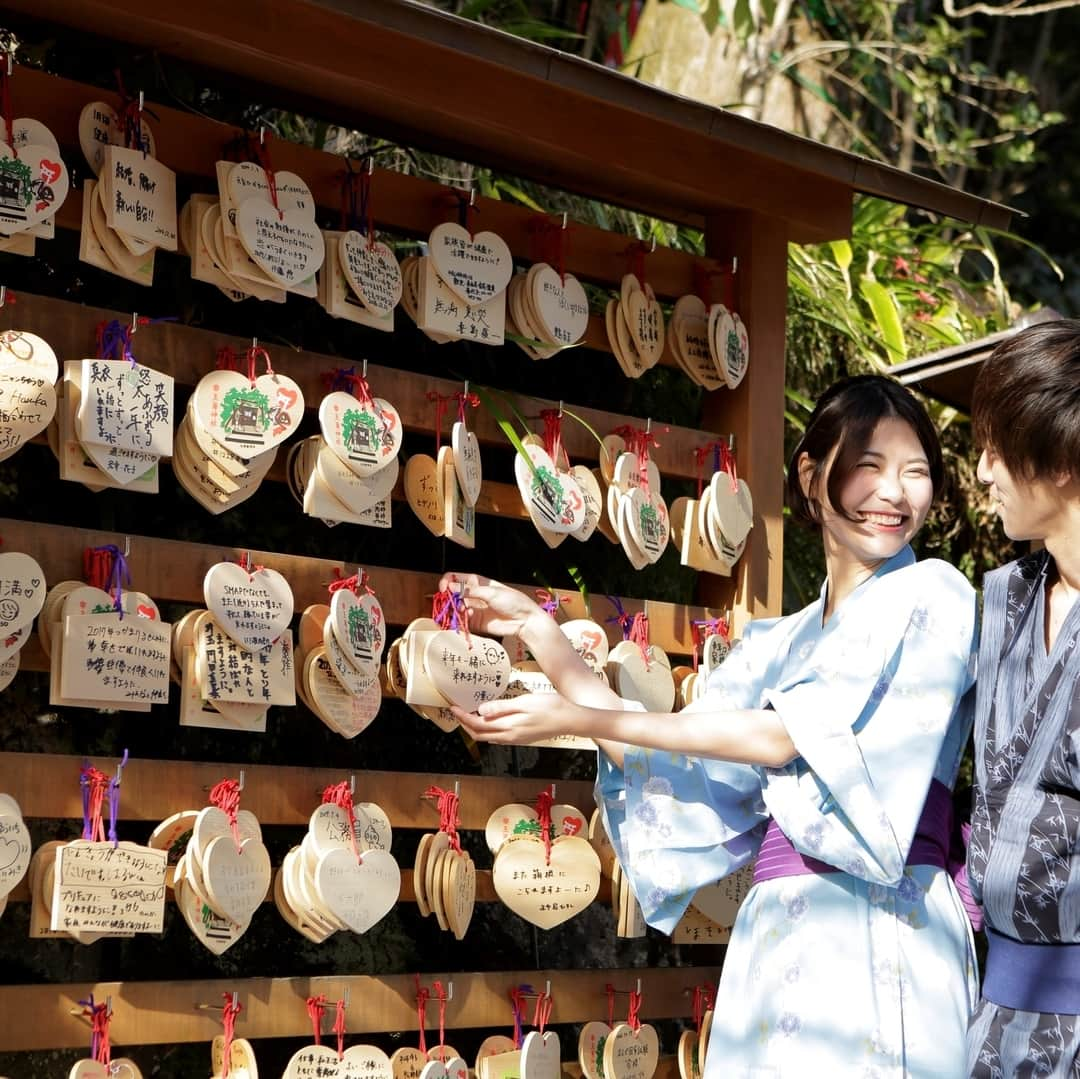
[(37, 186), (547, 893), (560, 304), (22, 590), (630, 1054), (467, 464), (541, 1056), (475, 268), (589, 641), (254, 609), (215, 933), (124, 1068), (28, 354), (650, 683), (736, 351), (553, 498), (372, 271), (88, 1069), (358, 493), (14, 851), (407, 1062), (285, 244), (236, 880), (648, 522), (311, 1061), (28, 405), (721, 901), (645, 322), (423, 492), (360, 629), (365, 1062), (591, 1042), (467, 671), (245, 418), (358, 893), (733, 509), (365, 435)]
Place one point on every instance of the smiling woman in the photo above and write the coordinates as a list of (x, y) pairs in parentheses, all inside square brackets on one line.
[(826, 745)]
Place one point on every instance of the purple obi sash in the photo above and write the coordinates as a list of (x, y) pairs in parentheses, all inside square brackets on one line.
[(778, 858), (1032, 977)]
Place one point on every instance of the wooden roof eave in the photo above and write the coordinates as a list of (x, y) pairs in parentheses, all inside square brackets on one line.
[(394, 68)]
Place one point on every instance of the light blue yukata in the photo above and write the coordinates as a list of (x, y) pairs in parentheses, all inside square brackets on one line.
[(869, 971)]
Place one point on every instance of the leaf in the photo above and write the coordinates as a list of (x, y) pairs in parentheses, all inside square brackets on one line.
[(887, 317), (743, 20), (690, 5), (591, 430), (579, 580), (484, 392), (843, 254)]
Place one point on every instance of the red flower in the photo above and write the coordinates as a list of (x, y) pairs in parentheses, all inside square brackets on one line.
[(901, 266)]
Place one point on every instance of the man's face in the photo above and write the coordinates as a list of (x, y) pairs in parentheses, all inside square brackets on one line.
[(1029, 509)]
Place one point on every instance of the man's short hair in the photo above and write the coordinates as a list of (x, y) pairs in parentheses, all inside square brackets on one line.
[(1026, 403)]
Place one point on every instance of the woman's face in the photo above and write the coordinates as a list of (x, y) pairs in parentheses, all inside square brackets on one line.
[(888, 493)]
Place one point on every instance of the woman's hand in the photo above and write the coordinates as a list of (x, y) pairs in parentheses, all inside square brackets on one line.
[(494, 609), (531, 717)]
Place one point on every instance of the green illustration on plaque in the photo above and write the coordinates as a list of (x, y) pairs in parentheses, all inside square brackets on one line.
[(359, 431), (734, 351), (650, 523), (245, 412), (359, 629), (16, 182)]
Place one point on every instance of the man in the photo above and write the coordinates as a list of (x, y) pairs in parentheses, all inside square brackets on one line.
[(1024, 856)]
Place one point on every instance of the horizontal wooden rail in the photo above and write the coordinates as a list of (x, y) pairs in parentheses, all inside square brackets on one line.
[(46, 785), (411, 205), (187, 353), (172, 570), (152, 1013)]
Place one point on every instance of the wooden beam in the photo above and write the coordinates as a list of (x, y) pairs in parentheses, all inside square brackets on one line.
[(459, 89), (153, 1013), (187, 353), (171, 570), (47, 785), (404, 204)]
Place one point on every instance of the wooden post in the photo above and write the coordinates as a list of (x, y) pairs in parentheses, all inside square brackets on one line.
[(754, 412)]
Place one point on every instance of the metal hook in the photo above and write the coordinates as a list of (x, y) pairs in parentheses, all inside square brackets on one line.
[(648, 425), (3, 295), (142, 101), (370, 165), (134, 322), (457, 788), (241, 787), (731, 443), (734, 264), (564, 219), (352, 787), (262, 135), (127, 546), (450, 989), (254, 344), (363, 369), (466, 380), (652, 249), (345, 996), (639, 987), (472, 198)]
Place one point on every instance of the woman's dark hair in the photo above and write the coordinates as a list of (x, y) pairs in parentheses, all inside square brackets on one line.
[(844, 419), (1026, 402)]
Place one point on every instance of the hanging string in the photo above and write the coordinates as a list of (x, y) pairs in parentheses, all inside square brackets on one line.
[(621, 616), (463, 398), (698, 1008), (517, 1003), (262, 155), (226, 359), (543, 1011), (633, 1014), (553, 445), (550, 241), (441, 401), (610, 990), (449, 821), (226, 796), (341, 795), (639, 634), (422, 996), (254, 354), (106, 568), (726, 461), (130, 115), (337, 380), (544, 801), (635, 260), (100, 1017), (228, 1020), (440, 993), (315, 1008), (249, 567), (114, 802), (550, 602), (94, 784), (449, 611), (357, 583), (114, 340), (339, 1027)]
